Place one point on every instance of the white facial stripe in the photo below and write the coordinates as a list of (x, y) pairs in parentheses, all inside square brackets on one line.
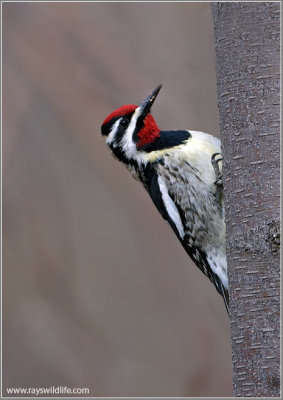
[(111, 136), (170, 207), (127, 142)]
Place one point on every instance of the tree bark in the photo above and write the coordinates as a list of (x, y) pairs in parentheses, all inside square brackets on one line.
[(247, 42)]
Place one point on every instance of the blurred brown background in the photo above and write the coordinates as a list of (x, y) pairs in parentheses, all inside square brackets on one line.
[(98, 292)]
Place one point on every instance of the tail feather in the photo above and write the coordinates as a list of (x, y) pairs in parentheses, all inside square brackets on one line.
[(225, 295)]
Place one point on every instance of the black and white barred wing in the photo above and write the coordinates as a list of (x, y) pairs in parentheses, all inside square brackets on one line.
[(192, 209)]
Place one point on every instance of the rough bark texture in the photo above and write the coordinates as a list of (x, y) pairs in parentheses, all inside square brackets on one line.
[(247, 49)]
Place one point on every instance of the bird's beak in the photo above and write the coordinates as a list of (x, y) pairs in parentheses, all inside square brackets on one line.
[(148, 102)]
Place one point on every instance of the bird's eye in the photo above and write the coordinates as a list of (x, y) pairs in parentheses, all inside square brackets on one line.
[(124, 122)]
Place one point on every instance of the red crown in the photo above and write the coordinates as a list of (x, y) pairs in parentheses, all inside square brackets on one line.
[(124, 110)]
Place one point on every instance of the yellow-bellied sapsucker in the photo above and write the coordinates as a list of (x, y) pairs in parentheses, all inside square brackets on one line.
[(180, 170)]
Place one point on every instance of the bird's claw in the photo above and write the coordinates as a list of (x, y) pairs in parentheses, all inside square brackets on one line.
[(215, 161), (218, 182)]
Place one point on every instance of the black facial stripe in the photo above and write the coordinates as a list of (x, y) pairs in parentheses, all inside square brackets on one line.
[(120, 155), (119, 134), (106, 128), (166, 140), (139, 126)]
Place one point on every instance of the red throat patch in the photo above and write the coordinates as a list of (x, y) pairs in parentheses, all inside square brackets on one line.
[(149, 132), (124, 110)]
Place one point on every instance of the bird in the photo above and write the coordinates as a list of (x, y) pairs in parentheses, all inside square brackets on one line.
[(182, 172)]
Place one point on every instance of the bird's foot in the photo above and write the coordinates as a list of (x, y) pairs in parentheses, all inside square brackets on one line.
[(218, 182), (215, 161)]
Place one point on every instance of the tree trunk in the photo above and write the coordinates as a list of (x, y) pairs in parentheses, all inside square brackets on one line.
[(247, 41)]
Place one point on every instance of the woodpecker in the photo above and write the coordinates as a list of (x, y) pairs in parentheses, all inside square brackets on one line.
[(181, 170)]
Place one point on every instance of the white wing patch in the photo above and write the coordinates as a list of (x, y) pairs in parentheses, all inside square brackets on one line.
[(170, 207), (218, 265)]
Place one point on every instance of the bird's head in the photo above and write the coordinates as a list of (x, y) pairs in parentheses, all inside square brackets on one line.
[(131, 129)]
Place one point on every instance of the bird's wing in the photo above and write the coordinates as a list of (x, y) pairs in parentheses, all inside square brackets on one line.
[(193, 213)]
